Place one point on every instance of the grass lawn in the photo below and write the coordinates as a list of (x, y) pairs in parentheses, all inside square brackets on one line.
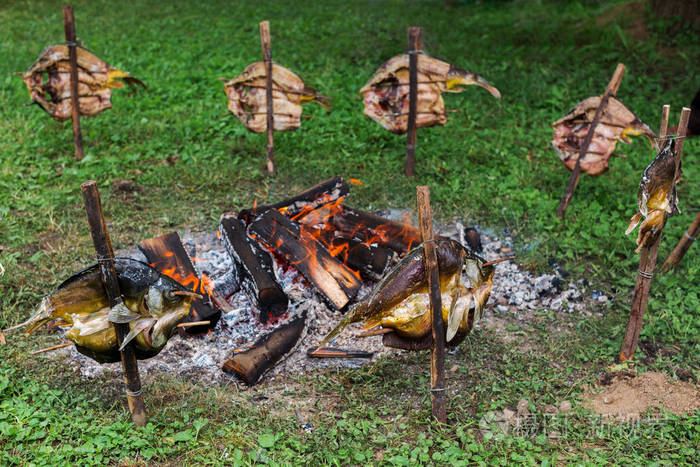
[(491, 163)]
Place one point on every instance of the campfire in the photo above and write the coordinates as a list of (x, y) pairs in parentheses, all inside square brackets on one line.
[(327, 247)]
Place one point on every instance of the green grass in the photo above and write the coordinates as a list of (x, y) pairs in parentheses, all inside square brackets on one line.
[(491, 163)]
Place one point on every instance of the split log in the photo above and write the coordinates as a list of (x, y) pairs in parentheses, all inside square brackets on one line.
[(313, 198), (168, 255), (254, 268), (337, 284), (251, 364), (370, 229), (370, 261)]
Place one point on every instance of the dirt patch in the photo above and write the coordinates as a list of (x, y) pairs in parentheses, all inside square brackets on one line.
[(630, 16), (626, 396)]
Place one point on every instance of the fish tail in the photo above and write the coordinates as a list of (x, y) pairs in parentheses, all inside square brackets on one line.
[(354, 315), (45, 313), (458, 77)]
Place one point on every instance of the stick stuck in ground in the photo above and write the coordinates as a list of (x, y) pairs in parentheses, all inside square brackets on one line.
[(647, 260), (69, 27), (437, 357), (105, 258), (610, 91), (415, 45), (267, 58)]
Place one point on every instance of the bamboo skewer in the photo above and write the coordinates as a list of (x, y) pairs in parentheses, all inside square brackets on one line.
[(193, 323), (610, 91), (53, 347), (437, 356), (415, 45), (647, 260), (69, 27), (105, 258), (267, 58)]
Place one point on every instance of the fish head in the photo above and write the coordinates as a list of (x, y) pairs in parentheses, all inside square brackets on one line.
[(457, 78)]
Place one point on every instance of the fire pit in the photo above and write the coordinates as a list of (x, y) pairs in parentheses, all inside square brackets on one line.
[(278, 278)]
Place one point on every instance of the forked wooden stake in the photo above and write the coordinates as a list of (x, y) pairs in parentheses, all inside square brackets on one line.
[(105, 259), (415, 45), (684, 244), (69, 27), (437, 356), (610, 91), (647, 261), (267, 58)]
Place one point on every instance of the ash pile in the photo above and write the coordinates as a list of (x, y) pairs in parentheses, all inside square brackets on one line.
[(276, 279)]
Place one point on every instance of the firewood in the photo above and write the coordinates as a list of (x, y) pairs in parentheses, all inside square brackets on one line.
[(313, 198), (337, 283), (251, 364), (254, 267), (370, 261), (370, 228), (167, 254)]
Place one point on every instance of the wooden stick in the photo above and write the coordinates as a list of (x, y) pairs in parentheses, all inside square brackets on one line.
[(683, 245), (415, 44), (375, 332), (437, 356), (267, 58), (611, 90), (663, 129), (193, 323), (105, 258), (53, 347), (69, 27), (499, 260), (647, 263)]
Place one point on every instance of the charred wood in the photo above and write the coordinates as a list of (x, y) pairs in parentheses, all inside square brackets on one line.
[(254, 268), (370, 228), (167, 254), (315, 197), (251, 364), (336, 282)]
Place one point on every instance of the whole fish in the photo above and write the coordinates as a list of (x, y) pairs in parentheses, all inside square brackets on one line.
[(156, 304), (656, 198), (400, 301), (386, 94), (617, 123), (246, 97), (48, 81)]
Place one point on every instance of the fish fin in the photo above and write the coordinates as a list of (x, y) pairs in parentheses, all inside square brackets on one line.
[(43, 315), (121, 314), (138, 328), (633, 222), (371, 323), (133, 82)]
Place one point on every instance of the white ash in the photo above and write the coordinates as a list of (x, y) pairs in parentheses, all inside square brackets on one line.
[(201, 357)]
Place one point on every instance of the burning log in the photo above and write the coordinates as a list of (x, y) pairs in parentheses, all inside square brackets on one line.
[(371, 229), (167, 255), (335, 281), (251, 364), (255, 268), (370, 261), (313, 198)]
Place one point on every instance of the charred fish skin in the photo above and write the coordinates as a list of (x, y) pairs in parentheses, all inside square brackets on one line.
[(48, 82), (617, 123), (247, 98), (386, 94), (400, 300), (157, 302), (657, 199)]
